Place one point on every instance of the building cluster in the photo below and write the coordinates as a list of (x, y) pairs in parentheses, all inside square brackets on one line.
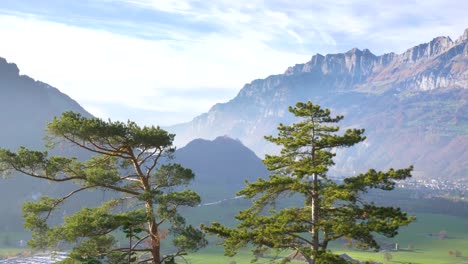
[(436, 185)]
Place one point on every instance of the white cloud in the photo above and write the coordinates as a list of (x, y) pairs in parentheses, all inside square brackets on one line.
[(96, 66), (326, 26), (173, 6), (210, 46)]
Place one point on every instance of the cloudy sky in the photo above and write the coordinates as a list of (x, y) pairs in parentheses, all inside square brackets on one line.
[(166, 61)]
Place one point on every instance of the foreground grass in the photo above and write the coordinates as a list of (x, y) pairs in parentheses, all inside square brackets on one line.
[(9, 252), (215, 255), (419, 243)]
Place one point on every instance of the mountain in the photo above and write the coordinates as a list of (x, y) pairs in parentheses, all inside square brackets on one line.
[(412, 105), (221, 166), (26, 106)]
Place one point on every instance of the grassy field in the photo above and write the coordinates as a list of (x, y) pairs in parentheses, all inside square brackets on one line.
[(423, 237), (215, 255), (12, 239), (418, 243), (9, 252)]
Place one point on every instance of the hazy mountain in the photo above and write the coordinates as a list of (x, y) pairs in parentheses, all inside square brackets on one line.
[(221, 166), (413, 106), (26, 106)]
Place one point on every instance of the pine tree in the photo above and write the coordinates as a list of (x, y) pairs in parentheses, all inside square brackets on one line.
[(127, 161), (331, 210)]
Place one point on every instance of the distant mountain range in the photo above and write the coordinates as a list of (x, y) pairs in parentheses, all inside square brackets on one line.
[(413, 106), (26, 106)]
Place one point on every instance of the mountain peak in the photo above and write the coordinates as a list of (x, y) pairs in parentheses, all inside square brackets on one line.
[(354, 62), (27, 106), (463, 37), (221, 143), (356, 51), (8, 70), (435, 47), (353, 51), (217, 165), (226, 138)]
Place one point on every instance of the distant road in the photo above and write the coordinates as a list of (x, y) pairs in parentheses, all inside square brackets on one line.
[(221, 201)]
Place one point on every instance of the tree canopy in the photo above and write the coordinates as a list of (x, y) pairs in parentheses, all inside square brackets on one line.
[(126, 159), (331, 209)]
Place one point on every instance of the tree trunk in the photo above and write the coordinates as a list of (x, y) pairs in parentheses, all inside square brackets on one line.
[(311, 260), (155, 249), (315, 217), (154, 235), (152, 225)]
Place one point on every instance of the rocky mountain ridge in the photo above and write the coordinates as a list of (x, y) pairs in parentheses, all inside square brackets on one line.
[(363, 67), (418, 97)]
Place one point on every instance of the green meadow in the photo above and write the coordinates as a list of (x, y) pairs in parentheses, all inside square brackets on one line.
[(433, 238), (424, 242), (9, 252)]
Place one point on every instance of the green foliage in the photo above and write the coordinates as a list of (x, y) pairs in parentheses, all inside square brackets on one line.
[(126, 161), (93, 249), (387, 256), (330, 211), (188, 238), (326, 257)]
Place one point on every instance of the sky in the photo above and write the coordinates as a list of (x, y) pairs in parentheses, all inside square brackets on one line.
[(162, 62)]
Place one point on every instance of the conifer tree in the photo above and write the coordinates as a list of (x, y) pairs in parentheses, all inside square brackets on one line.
[(330, 210), (127, 161)]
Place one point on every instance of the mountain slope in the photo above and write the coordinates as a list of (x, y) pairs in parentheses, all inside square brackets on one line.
[(26, 106), (221, 166), (413, 106)]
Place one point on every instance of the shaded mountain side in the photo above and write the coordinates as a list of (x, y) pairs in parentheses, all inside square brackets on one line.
[(26, 106), (221, 166), (413, 106)]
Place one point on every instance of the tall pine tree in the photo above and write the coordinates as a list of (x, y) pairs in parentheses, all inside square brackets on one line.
[(127, 161), (330, 210)]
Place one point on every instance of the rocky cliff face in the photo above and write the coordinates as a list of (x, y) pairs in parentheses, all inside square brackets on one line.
[(413, 106), (440, 63)]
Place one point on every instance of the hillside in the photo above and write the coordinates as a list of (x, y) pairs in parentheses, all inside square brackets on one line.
[(26, 106), (412, 105), (221, 166)]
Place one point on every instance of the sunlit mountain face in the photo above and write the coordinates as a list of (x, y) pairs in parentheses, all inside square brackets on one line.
[(412, 105)]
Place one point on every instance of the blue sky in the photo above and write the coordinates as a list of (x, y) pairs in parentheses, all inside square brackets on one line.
[(164, 62)]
